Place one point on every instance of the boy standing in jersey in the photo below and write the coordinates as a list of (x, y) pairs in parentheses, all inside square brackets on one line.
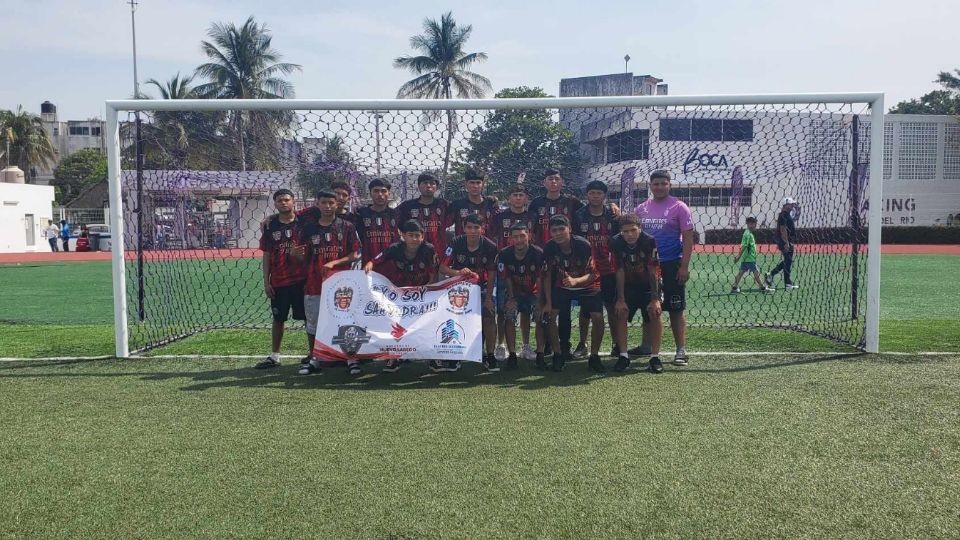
[(332, 245), (283, 272), (376, 223), (343, 191), (476, 203), (520, 268), (411, 262), (597, 223), (430, 211), (638, 289), (516, 212), (475, 254), (571, 274), (669, 221)]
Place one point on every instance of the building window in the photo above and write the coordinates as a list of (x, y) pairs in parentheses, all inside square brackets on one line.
[(95, 131), (56, 132), (628, 146), (712, 196), (80, 130), (705, 129)]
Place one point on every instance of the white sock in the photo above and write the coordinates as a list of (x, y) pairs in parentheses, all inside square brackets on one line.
[(275, 356)]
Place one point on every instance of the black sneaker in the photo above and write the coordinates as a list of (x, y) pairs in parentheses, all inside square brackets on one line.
[(354, 368), (490, 362), (267, 364), (768, 279), (512, 361), (437, 366), (453, 366), (306, 359), (595, 364), (580, 351), (615, 351), (639, 350), (622, 364), (559, 360), (656, 366), (393, 366), (540, 363)]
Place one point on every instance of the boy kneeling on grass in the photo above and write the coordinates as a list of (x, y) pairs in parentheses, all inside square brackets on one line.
[(748, 250)]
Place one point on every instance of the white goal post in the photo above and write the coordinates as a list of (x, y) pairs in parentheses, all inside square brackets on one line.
[(875, 101)]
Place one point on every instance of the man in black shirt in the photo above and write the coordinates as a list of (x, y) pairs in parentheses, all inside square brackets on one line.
[(786, 233), (475, 203)]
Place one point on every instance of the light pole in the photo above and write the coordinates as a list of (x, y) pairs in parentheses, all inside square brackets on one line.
[(626, 63), (133, 26), (377, 115)]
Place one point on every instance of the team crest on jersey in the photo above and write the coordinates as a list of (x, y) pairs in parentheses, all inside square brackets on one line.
[(276, 235), (366, 221), (342, 298), (461, 258), (422, 266), (288, 233), (464, 212), (584, 227), (459, 297), (315, 239), (415, 212), (542, 211), (507, 224)]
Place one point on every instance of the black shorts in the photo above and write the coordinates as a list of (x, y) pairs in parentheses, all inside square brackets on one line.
[(608, 289), (589, 300), (637, 299), (287, 298), (674, 292)]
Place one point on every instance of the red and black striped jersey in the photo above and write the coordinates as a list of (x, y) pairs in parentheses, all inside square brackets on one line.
[(637, 261), (280, 239), (481, 260), (542, 209), (487, 209), (377, 230), (578, 262), (506, 219), (326, 243), (598, 230), (403, 272), (435, 218), (523, 273)]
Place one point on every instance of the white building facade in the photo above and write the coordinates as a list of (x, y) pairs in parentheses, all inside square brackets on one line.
[(24, 211)]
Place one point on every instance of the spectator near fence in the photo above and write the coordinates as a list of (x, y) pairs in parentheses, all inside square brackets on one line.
[(65, 234), (51, 233)]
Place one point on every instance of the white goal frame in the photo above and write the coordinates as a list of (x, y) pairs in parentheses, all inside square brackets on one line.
[(873, 99)]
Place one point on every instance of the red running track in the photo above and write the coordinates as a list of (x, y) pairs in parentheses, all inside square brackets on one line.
[(187, 254)]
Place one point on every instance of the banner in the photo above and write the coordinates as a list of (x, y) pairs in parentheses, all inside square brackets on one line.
[(366, 317)]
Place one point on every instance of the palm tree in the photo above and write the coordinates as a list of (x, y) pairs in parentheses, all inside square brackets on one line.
[(176, 88), (442, 69), (24, 141), (244, 65)]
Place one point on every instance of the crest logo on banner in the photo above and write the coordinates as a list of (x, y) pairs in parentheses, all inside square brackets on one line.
[(459, 297), (342, 298), (350, 338), (397, 331)]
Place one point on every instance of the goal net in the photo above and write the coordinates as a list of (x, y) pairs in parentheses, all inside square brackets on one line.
[(195, 183)]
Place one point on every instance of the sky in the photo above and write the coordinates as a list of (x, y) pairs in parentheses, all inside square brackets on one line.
[(77, 53)]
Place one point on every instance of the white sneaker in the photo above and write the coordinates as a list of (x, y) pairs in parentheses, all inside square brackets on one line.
[(500, 353), (792, 286), (528, 353), (735, 290), (768, 290)]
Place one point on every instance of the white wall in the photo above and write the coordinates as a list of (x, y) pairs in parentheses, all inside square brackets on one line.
[(16, 202)]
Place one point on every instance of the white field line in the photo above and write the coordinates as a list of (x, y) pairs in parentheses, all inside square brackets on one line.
[(259, 356)]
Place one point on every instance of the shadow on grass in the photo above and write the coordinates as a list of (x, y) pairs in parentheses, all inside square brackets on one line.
[(413, 375)]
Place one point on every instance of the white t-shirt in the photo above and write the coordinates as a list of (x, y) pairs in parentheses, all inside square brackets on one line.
[(53, 231)]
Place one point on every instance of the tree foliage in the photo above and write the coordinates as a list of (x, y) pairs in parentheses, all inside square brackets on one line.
[(521, 142), (78, 171), (945, 101)]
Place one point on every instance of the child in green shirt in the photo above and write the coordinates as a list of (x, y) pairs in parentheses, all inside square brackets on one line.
[(748, 250)]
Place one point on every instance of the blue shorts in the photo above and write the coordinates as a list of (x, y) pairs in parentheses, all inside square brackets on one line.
[(748, 267)]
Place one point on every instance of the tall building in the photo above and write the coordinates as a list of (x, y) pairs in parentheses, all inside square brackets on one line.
[(67, 137)]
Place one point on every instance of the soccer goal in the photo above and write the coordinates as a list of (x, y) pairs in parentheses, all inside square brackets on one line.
[(191, 183)]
